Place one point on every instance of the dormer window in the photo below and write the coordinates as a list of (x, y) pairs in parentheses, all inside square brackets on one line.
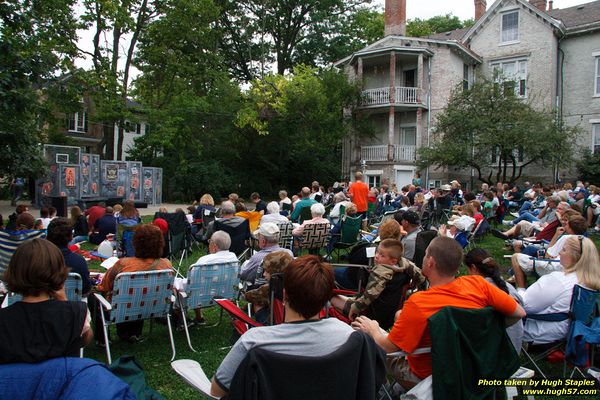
[(509, 27)]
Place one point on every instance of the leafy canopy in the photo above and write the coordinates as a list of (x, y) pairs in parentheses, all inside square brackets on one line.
[(490, 129)]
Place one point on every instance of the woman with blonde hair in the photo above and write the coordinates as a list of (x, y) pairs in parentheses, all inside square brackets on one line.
[(552, 293)]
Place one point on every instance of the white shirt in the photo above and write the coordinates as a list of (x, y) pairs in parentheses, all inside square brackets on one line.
[(223, 256), (549, 294), (274, 218)]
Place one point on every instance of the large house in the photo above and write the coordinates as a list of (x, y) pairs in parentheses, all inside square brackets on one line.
[(552, 55), (89, 135)]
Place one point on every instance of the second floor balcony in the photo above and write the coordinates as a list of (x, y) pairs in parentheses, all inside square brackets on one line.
[(401, 96), (388, 153)]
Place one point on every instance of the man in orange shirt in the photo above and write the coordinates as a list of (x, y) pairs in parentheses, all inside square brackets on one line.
[(410, 332), (359, 194)]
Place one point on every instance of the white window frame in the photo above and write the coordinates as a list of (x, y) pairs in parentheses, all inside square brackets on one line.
[(504, 41), (77, 127), (519, 77), (595, 136), (596, 74), (374, 177)]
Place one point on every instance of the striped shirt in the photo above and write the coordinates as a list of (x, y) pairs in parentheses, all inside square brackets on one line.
[(10, 240)]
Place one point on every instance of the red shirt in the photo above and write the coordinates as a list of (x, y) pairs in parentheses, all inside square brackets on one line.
[(94, 213)]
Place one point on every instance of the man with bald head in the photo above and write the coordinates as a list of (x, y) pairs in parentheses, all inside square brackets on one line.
[(305, 202)]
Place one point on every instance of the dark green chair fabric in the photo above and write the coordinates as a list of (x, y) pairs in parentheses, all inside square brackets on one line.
[(468, 345)]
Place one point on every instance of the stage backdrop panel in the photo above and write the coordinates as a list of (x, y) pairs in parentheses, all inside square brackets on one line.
[(148, 185), (55, 157), (134, 191), (113, 178), (158, 178), (69, 182), (95, 175), (86, 175)]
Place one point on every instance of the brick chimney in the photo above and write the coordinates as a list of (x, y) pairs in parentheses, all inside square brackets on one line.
[(480, 6), (395, 17), (540, 4)]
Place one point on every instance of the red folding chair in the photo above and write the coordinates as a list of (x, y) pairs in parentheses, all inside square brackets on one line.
[(240, 320)]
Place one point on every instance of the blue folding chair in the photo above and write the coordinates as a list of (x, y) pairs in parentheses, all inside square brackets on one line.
[(138, 296), (205, 282), (73, 289)]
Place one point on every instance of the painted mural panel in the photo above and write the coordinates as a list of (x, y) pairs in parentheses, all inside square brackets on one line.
[(148, 185), (134, 191), (69, 182), (158, 178), (113, 179), (95, 175), (56, 156)]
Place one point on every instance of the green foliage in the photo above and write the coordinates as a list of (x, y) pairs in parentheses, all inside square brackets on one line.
[(257, 33), (36, 42), (489, 120), (589, 167), (442, 23)]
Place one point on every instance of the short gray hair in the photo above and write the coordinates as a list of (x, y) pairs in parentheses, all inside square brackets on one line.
[(317, 209), (221, 239), (273, 207), (227, 208)]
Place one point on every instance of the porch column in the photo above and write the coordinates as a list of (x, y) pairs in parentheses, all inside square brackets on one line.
[(392, 111), (359, 70), (420, 77), (418, 130)]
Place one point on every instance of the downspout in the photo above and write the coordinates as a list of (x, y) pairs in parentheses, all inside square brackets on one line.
[(560, 62), (428, 117)]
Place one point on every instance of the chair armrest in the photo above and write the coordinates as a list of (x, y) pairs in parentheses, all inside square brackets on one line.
[(350, 266), (103, 302), (192, 373)]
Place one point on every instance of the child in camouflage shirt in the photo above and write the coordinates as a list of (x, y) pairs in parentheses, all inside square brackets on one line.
[(388, 263)]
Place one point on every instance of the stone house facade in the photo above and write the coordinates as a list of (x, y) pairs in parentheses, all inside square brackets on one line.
[(552, 55)]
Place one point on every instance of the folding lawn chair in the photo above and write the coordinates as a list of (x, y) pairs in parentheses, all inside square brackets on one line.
[(422, 242), (125, 235), (347, 237), (468, 345), (239, 235), (239, 319), (204, 282), (315, 237), (178, 228), (138, 296), (285, 235), (584, 328), (305, 214), (73, 289)]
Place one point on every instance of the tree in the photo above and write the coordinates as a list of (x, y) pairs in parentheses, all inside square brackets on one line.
[(438, 24), (257, 33), (490, 129), (123, 21), (37, 43), (589, 167)]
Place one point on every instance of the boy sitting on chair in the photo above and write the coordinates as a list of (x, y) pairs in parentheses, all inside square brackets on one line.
[(389, 266)]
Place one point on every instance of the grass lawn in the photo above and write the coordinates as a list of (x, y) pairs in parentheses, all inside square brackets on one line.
[(212, 343)]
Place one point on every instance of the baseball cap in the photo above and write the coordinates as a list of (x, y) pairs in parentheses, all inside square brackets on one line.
[(268, 229)]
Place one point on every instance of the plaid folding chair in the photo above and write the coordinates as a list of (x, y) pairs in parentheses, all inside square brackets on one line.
[(73, 289), (204, 282), (285, 235), (315, 237), (138, 296)]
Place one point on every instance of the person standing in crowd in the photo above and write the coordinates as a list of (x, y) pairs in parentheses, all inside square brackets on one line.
[(359, 194)]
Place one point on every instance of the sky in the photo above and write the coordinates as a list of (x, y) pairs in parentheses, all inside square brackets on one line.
[(464, 9)]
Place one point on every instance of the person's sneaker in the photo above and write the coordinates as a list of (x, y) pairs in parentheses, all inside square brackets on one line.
[(507, 223), (499, 234), (515, 214), (136, 339)]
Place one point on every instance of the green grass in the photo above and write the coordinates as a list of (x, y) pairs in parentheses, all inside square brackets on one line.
[(213, 343)]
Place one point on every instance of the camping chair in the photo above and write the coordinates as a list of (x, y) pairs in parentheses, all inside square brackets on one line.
[(125, 235), (253, 218), (423, 240), (305, 214), (347, 237), (239, 235), (314, 237), (286, 209), (240, 320), (473, 235), (205, 282), (178, 229), (294, 377), (285, 235), (73, 288), (584, 328), (468, 345), (138, 296)]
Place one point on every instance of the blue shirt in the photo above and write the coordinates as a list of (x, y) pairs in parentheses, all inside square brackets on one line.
[(77, 264)]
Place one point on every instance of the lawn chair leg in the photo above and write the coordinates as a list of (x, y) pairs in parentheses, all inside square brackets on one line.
[(534, 364), (185, 326), (171, 337), (106, 341)]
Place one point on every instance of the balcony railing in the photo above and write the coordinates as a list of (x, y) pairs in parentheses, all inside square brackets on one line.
[(380, 153), (381, 96)]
